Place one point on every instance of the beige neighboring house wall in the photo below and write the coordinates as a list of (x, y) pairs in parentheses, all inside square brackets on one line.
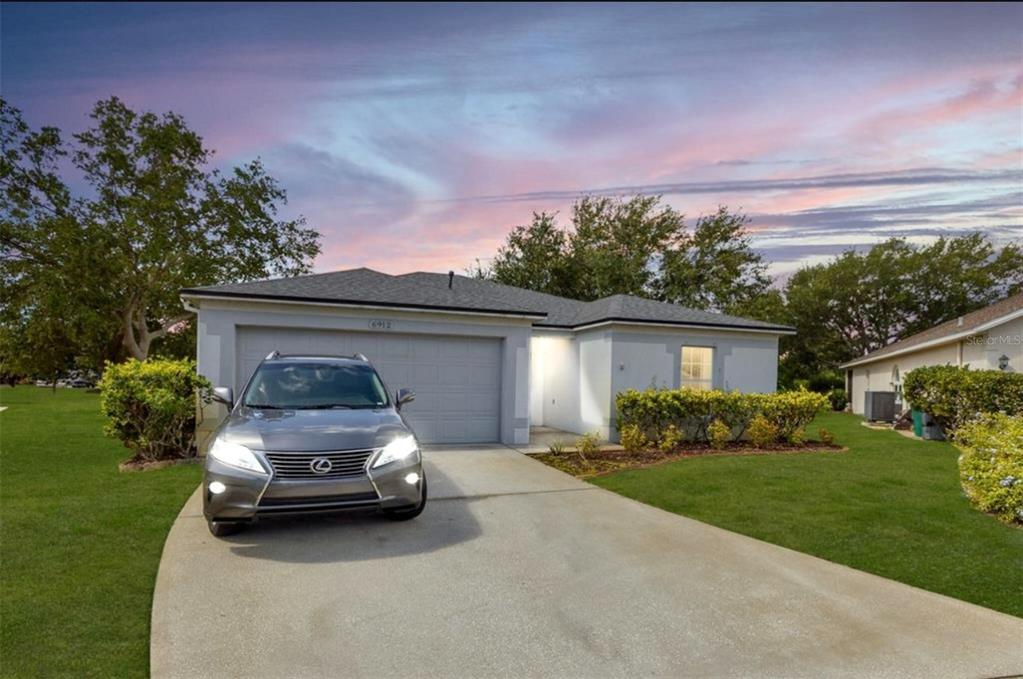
[(978, 341)]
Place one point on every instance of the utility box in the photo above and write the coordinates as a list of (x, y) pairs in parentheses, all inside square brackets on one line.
[(879, 406)]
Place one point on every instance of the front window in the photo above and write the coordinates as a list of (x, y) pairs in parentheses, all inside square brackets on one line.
[(697, 367), (307, 385)]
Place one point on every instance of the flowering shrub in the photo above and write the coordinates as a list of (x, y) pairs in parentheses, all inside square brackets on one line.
[(720, 434), (671, 438), (632, 438), (991, 465), (797, 437), (690, 412), (954, 396), (762, 433), (587, 444), (151, 406)]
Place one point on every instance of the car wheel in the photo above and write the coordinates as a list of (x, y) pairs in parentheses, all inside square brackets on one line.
[(410, 512), (221, 529)]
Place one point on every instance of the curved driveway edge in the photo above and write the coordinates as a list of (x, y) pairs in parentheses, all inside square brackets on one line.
[(517, 569)]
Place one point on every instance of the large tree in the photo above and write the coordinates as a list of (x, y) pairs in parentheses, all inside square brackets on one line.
[(637, 246), (156, 218), (861, 301)]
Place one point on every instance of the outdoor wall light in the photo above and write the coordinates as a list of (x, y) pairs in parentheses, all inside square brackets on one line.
[(1003, 362)]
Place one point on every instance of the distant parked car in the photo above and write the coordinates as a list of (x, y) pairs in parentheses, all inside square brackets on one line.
[(43, 383), (79, 383)]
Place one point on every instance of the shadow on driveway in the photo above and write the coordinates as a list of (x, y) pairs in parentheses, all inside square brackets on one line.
[(333, 538)]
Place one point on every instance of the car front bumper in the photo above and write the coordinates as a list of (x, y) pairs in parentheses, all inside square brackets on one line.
[(249, 495)]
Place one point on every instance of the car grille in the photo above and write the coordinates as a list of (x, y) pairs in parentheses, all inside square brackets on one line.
[(343, 463)]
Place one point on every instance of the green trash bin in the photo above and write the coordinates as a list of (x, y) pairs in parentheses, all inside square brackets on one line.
[(918, 423)]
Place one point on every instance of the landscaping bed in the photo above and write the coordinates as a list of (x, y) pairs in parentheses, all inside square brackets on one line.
[(613, 459)]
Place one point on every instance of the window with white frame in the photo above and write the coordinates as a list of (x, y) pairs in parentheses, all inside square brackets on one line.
[(697, 367)]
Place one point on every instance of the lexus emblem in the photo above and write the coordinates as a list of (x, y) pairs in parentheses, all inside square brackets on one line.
[(320, 465)]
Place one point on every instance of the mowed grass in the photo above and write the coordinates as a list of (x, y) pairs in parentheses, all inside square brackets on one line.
[(80, 541), (890, 505)]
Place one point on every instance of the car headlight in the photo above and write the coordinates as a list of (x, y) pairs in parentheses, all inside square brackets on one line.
[(398, 449), (235, 455)]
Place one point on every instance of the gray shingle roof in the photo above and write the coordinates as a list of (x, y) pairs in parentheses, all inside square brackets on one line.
[(423, 290), (948, 329)]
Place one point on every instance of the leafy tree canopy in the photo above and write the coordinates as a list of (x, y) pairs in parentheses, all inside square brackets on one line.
[(106, 266), (639, 247)]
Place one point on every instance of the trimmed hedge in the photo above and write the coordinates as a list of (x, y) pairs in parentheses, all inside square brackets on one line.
[(690, 411), (954, 396), (991, 465), (151, 406)]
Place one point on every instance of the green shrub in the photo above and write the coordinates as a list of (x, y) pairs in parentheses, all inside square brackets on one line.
[(762, 432), (789, 411), (797, 437), (690, 412), (671, 438), (151, 406), (632, 438), (587, 444), (838, 399), (826, 437), (954, 396), (720, 434), (556, 448), (991, 465)]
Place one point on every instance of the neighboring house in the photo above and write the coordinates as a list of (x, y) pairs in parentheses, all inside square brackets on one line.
[(990, 338), (486, 360)]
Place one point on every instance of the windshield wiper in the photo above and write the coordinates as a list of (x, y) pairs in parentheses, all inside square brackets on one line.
[(330, 406), (263, 406)]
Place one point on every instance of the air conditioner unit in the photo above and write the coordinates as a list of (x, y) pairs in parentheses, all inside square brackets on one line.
[(879, 406)]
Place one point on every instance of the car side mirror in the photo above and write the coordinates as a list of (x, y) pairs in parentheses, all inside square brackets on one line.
[(403, 396), (224, 395)]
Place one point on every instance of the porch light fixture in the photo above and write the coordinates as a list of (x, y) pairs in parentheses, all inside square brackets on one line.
[(1003, 362)]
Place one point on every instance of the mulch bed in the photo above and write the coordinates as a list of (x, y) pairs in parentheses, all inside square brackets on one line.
[(613, 460)]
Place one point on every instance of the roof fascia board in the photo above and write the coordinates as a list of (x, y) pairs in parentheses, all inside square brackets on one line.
[(187, 297)]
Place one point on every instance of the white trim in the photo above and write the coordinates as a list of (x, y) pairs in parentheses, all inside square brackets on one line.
[(947, 339), (684, 326), (276, 300)]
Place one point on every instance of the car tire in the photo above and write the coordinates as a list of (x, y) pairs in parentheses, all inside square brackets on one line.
[(220, 529), (408, 513)]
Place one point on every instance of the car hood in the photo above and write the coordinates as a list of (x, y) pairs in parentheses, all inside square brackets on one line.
[(312, 430)]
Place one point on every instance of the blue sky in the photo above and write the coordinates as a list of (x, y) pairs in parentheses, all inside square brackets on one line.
[(415, 136)]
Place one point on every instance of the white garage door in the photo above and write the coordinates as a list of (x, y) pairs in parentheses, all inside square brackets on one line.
[(456, 379)]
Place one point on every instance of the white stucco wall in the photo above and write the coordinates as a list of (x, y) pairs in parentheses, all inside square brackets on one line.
[(219, 321), (979, 353), (582, 372)]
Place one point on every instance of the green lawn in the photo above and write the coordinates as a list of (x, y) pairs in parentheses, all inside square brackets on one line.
[(80, 541), (891, 506)]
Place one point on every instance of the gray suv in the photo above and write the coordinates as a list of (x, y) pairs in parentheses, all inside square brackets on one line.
[(312, 434)]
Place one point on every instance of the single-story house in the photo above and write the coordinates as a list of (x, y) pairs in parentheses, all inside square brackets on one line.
[(987, 339), (486, 360)]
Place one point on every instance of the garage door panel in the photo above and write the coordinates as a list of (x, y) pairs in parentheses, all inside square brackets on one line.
[(456, 379)]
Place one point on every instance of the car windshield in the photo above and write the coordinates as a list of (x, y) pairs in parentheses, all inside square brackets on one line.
[(304, 385)]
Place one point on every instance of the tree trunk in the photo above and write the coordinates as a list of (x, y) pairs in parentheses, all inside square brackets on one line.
[(137, 336)]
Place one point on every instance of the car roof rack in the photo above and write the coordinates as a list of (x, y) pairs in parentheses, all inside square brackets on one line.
[(272, 355), (361, 358)]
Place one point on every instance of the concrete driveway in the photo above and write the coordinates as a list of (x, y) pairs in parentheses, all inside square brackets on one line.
[(515, 569)]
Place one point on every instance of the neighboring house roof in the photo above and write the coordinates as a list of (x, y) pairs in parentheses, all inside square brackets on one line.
[(972, 323), (430, 291)]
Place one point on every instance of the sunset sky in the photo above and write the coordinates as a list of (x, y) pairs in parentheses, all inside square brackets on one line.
[(414, 137)]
